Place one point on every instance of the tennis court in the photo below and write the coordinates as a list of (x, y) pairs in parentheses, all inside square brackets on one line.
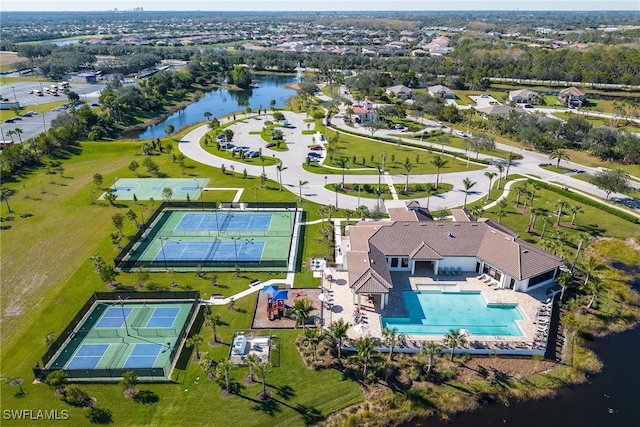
[(122, 335), (153, 188), (216, 240)]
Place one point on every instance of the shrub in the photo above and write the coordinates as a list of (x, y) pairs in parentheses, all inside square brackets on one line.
[(75, 396)]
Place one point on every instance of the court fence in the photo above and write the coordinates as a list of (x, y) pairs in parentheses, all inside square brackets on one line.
[(150, 224), (263, 264), (40, 371)]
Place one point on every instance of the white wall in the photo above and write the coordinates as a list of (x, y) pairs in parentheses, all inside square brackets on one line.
[(465, 263)]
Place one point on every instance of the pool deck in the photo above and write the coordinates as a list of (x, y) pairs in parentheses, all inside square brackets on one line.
[(344, 306)]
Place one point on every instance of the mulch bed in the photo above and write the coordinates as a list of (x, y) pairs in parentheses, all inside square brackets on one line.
[(261, 318)]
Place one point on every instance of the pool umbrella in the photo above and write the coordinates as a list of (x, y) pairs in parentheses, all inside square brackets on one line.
[(280, 296), (270, 290), (360, 328)]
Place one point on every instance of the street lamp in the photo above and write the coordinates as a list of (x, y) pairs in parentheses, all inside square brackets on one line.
[(14, 94), (358, 195), (124, 317), (235, 247)]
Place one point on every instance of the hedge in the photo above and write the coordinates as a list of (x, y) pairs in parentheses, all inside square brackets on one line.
[(586, 200)]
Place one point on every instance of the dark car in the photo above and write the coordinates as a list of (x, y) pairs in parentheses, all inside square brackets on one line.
[(252, 154), (314, 154), (317, 148), (9, 121)]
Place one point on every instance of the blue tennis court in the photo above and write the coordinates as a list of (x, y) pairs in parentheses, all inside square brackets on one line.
[(163, 317), (248, 250), (112, 318), (88, 356), (224, 222), (143, 356)]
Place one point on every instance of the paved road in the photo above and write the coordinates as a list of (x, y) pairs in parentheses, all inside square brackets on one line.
[(298, 144)]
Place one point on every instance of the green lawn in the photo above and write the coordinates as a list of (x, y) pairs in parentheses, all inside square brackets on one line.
[(593, 221), (560, 170), (52, 291), (601, 121), (416, 191)]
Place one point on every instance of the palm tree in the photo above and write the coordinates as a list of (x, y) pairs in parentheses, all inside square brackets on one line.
[(532, 195), (338, 333), (5, 193), (502, 210), (364, 355), (575, 210), (392, 337), (18, 131), (430, 348), (301, 310), (343, 162), (453, 340), (519, 190), (263, 179), (510, 156), (535, 213), (407, 168), (559, 154), (280, 167), (500, 168), (546, 221), (213, 322), (362, 211), (379, 169), (300, 184), (224, 369), (468, 184), (560, 204), (195, 341), (490, 175), (262, 369), (252, 360), (438, 162), (313, 338), (207, 115), (590, 267), (565, 280), (594, 286)]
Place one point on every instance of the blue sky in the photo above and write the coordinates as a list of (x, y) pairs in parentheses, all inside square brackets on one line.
[(306, 5)]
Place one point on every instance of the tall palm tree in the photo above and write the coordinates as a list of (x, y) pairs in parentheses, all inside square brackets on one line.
[(223, 370), (535, 213), (519, 190), (312, 338), (392, 337), (195, 341), (18, 131), (490, 175), (532, 195), (262, 369), (565, 280), (379, 170), (280, 167), (300, 184), (575, 210), (510, 157), (594, 286), (546, 221), (343, 162), (500, 168), (407, 169), (365, 350), (560, 204), (430, 348), (502, 210), (301, 310), (454, 339), (559, 154), (252, 360), (207, 115), (438, 162), (213, 322), (468, 184), (338, 333)]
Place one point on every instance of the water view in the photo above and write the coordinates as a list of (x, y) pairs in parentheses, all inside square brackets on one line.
[(221, 101)]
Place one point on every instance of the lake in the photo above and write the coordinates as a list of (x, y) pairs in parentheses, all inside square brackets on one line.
[(221, 101)]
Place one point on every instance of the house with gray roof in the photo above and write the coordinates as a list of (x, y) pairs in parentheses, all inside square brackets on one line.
[(432, 248), (439, 91), (522, 96), (400, 91)]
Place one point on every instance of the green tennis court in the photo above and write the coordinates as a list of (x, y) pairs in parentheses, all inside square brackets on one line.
[(216, 239), (115, 337), (147, 188)]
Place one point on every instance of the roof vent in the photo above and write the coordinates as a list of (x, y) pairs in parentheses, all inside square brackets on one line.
[(423, 224), (457, 224), (526, 251), (474, 225), (451, 235), (440, 225), (493, 231), (405, 224)]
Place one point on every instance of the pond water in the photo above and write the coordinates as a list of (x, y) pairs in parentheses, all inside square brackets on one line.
[(221, 101), (611, 398)]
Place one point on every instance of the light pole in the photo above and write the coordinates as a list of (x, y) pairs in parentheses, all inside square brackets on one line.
[(124, 317), (325, 180), (358, 195), (44, 124), (235, 247), (164, 257), (15, 98)]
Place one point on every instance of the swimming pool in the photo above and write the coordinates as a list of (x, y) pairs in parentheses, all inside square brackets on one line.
[(436, 313)]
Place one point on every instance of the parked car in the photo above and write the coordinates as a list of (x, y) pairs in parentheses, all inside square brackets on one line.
[(317, 148), (9, 121), (269, 145), (314, 159), (398, 127), (528, 106), (313, 154), (253, 154), (240, 148)]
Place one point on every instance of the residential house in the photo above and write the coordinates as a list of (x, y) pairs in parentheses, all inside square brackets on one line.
[(439, 91), (400, 91), (431, 247), (572, 97), (522, 96), (495, 110)]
